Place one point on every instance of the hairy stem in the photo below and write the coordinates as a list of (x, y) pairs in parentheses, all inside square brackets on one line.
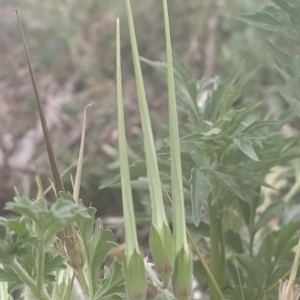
[(24, 276), (40, 267)]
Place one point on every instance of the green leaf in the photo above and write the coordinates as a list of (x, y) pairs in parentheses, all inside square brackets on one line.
[(9, 276), (286, 233), (226, 181), (279, 273), (53, 263), (273, 210), (284, 59), (266, 253), (275, 20), (111, 287), (97, 243), (17, 225), (293, 103), (234, 241), (261, 19), (240, 173), (244, 209), (49, 221), (200, 189), (62, 213), (246, 147), (253, 268), (292, 9)]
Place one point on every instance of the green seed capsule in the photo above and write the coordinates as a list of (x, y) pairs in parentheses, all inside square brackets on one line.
[(161, 243), (182, 276), (135, 276)]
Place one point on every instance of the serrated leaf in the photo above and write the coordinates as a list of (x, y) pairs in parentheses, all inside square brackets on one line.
[(227, 181), (53, 263), (283, 58), (62, 213), (49, 221), (17, 225), (246, 147), (244, 174), (86, 225), (275, 20), (261, 20), (200, 189), (8, 275), (97, 244), (292, 10), (112, 285)]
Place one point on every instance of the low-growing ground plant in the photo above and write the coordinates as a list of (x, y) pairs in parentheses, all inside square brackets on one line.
[(213, 222)]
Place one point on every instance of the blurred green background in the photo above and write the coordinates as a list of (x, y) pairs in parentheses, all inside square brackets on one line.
[(72, 46)]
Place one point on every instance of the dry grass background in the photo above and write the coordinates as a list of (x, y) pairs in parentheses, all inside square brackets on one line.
[(72, 44)]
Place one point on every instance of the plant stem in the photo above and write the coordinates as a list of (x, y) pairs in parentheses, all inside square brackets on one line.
[(40, 267), (251, 241), (222, 265), (214, 245), (23, 275), (209, 274), (82, 279), (90, 280)]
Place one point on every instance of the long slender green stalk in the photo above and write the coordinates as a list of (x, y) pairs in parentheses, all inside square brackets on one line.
[(182, 276), (158, 211), (161, 240), (133, 264), (128, 211), (176, 172)]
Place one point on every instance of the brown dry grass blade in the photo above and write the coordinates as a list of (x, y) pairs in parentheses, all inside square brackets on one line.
[(56, 176)]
